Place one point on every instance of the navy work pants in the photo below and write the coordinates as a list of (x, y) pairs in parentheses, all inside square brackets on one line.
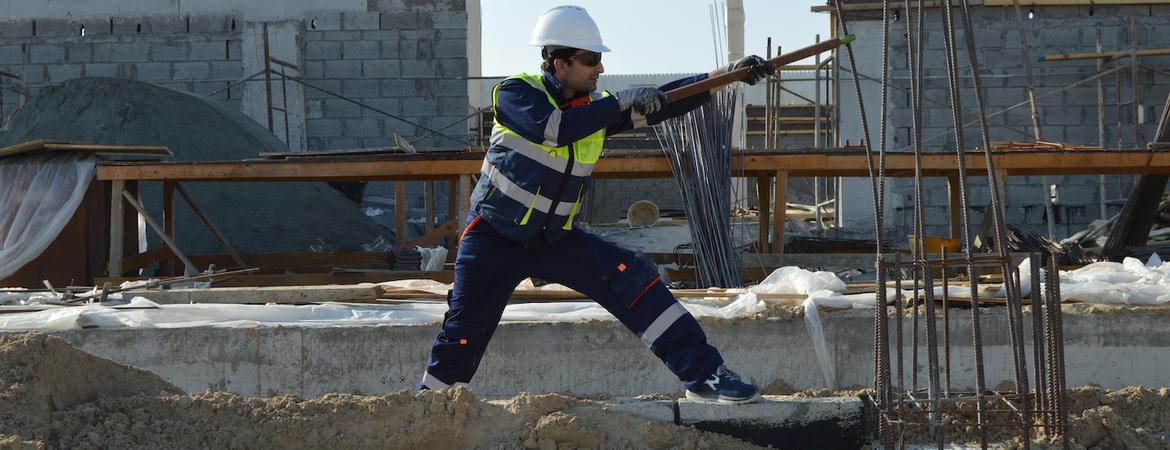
[(489, 266)]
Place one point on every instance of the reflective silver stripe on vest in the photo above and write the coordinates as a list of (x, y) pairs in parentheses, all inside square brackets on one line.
[(540, 155), (433, 383), (552, 129), (663, 322), (519, 194)]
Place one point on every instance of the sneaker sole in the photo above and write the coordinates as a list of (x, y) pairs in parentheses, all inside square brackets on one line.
[(724, 399)]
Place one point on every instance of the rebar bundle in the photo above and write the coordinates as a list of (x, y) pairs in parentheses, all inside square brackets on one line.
[(936, 406), (698, 146)]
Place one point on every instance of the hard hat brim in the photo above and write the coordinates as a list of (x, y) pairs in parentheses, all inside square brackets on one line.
[(599, 48)]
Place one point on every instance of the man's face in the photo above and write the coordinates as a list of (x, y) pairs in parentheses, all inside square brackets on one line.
[(581, 75)]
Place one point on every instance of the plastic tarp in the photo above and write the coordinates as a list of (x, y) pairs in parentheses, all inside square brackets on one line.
[(1128, 282), (38, 195)]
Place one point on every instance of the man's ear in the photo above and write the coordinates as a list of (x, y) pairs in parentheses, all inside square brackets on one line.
[(560, 64)]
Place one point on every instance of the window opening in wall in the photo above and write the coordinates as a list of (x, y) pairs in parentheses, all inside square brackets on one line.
[(138, 29), (233, 24), (82, 32), (188, 23), (111, 25), (34, 27), (313, 24)]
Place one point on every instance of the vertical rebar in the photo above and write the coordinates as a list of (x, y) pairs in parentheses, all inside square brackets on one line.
[(946, 325), (899, 311), (1101, 194), (932, 356), (881, 337), (1038, 336), (267, 74), (1058, 373), (1011, 289), (960, 149), (1134, 86)]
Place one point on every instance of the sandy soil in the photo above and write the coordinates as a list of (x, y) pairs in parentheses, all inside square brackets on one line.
[(55, 396)]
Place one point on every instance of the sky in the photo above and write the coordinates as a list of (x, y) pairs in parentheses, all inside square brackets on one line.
[(647, 36)]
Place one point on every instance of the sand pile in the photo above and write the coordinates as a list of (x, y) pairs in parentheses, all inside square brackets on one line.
[(56, 396), (254, 217)]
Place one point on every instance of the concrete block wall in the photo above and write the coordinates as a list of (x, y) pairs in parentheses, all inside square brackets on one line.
[(196, 54), (407, 62), (1069, 116)]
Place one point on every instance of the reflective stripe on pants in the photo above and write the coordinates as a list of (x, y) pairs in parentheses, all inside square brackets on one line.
[(488, 267)]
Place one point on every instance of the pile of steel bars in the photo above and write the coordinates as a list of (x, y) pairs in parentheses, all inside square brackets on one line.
[(698, 146)]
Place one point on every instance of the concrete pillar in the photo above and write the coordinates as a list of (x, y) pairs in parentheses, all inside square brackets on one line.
[(290, 96), (474, 51)]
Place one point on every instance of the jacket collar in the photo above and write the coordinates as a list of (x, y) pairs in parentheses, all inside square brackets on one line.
[(555, 89)]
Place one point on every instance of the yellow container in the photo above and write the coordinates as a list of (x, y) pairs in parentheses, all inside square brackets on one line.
[(935, 244)]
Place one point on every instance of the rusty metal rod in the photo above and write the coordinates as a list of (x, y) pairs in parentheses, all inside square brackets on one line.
[(727, 78)]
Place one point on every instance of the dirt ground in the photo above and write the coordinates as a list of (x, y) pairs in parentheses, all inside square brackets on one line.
[(53, 395)]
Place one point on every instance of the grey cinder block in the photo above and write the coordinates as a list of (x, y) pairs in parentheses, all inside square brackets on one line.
[(360, 20), (168, 51)]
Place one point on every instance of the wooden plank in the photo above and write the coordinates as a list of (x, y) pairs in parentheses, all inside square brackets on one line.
[(428, 205), (1018, 162), (764, 192), (309, 279), (781, 212), (154, 150), (954, 207), (190, 268), (168, 263), (252, 295), (399, 213), (438, 233), (145, 259), (465, 187), (39, 145), (211, 226), (297, 262), (1104, 55), (452, 212), (117, 228)]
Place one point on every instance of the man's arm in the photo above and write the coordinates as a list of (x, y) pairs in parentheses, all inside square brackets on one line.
[(632, 119), (528, 112)]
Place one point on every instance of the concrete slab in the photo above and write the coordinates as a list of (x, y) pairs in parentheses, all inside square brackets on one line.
[(656, 410), (783, 422), (602, 357), (779, 421)]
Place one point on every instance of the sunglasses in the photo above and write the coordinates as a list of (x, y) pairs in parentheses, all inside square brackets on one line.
[(591, 59)]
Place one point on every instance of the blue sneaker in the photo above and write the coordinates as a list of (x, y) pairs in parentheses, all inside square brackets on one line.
[(725, 386)]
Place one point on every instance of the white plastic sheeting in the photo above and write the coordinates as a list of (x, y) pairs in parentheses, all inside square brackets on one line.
[(822, 289), (38, 195), (1128, 282)]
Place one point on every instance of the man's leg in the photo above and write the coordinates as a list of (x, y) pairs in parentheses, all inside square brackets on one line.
[(630, 289), (487, 270)]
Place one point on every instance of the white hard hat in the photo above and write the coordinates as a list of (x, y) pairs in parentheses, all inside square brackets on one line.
[(567, 26)]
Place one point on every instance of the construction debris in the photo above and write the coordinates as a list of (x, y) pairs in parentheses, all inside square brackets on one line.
[(1039, 145)]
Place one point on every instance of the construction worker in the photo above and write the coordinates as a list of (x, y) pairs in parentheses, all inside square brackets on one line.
[(548, 136)]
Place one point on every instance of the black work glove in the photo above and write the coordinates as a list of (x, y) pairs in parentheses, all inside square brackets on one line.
[(758, 68)]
